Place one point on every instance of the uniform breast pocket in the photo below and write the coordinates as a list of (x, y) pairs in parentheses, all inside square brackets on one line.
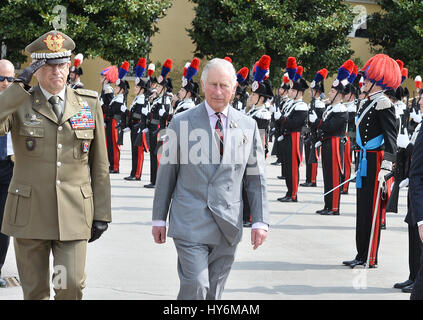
[(18, 205), (83, 139), (33, 140)]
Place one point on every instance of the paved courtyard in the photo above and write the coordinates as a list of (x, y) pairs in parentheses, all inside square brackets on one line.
[(301, 259)]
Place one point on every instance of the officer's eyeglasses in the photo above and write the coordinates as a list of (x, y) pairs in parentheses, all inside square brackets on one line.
[(9, 79), (60, 66)]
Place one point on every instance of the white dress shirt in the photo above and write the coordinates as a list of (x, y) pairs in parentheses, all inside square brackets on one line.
[(61, 94)]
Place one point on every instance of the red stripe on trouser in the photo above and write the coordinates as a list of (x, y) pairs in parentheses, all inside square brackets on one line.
[(375, 239), (335, 173), (140, 162), (313, 172), (347, 163), (144, 140), (116, 148), (296, 159)]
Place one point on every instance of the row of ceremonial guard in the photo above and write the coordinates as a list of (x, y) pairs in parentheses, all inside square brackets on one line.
[(149, 113), (367, 119)]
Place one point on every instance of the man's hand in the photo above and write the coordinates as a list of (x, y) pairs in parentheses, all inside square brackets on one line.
[(27, 73), (257, 237), (159, 234), (421, 232), (97, 230)]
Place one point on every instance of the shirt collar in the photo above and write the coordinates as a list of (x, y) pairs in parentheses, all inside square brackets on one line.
[(211, 112), (48, 95), (375, 95)]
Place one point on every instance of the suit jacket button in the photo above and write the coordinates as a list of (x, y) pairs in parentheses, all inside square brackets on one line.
[(58, 182), (60, 128)]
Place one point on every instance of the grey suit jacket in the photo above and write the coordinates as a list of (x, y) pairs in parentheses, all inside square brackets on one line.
[(205, 194)]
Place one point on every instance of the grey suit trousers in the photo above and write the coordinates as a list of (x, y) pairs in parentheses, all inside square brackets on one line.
[(203, 268)]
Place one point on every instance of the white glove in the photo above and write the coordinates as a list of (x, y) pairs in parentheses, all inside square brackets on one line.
[(312, 117), (126, 129), (145, 130), (144, 111), (161, 112), (272, 109), (123, 108), (280, 138), (278, 115), (318, 144), (416, 117), (404, 183), (402, 140)]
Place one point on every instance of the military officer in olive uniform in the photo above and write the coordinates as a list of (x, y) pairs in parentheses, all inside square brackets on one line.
[(59, 196)]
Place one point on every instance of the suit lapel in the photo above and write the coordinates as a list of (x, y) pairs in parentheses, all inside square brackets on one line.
[(42, 106)]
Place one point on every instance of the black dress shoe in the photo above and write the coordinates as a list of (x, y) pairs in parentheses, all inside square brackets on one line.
[(281, 177), (150, 186), (330, 213), (130, 178), (344, 192), (113, 171), (322, 211), (408, 289), (287, 199), (353, 263), (404, 284), (276, 163), (282, 199), (247, 224), (358, 263), (305, 184)]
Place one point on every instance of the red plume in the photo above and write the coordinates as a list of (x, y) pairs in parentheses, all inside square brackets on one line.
[(142, 63), (285, 79), (300, 70), (404, 73), (125, 65), (243, 72), (195, 63), (323, 72), (228, 59), (291, 63), (348, 65), (400, 63), (264, 62), (168, 64)]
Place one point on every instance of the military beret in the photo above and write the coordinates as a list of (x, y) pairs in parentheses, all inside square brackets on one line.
[(54, 46)]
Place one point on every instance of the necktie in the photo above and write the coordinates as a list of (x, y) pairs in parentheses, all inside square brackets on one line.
[(55, 102), (219, 131)]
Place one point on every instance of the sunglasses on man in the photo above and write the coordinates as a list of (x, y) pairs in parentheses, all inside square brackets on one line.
[(9, 79)]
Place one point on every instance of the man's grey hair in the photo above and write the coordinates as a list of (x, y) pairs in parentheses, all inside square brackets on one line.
[(221, 63)]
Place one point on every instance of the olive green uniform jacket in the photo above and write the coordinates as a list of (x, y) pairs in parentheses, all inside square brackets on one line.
[(61, 179)]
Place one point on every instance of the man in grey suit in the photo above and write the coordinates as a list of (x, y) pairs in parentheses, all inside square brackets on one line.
[(208, 152)]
